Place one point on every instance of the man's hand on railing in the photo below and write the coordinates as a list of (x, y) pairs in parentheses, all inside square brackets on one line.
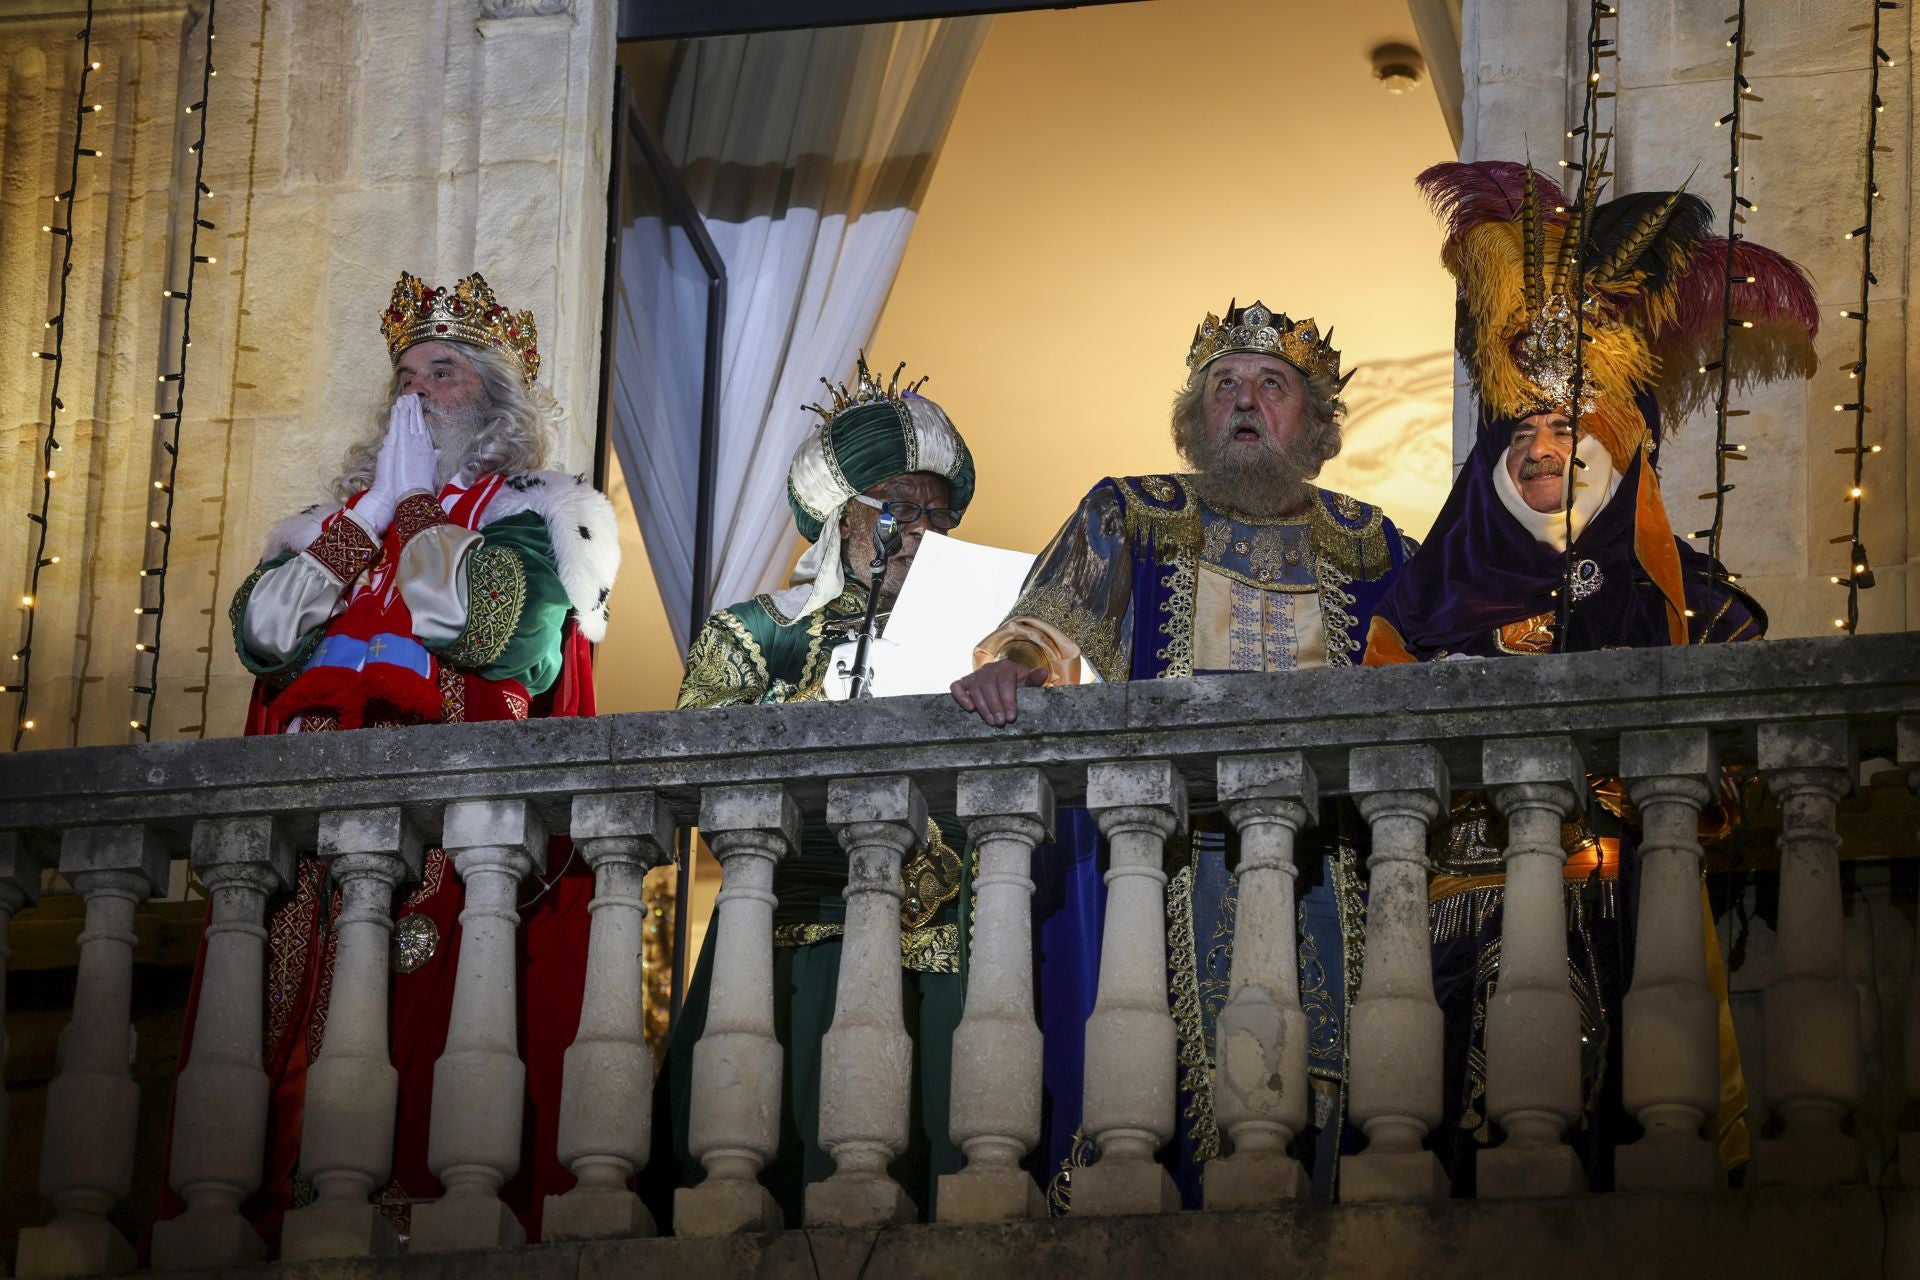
[(991, 690)]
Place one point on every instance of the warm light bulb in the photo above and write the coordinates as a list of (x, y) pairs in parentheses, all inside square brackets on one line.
[(1854, 492), (1875, 449), (26, 724), (1839, 622), (52, 474), (93, 66), (27, 601)]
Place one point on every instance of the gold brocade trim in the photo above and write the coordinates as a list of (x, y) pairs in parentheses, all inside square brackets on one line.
[(453, 694), (929, 880), (1081, 1154), (496, 596), (1335, 622), (344, 550), (323, 989), (1272, 550), (433, 872), (1183, 986), (289, 930), (719, 673), (1060, 608), (934, 949), (416, 512), (1468, 911), (1183, 583)]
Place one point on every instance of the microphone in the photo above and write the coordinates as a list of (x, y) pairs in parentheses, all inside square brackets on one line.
[(886, 537)]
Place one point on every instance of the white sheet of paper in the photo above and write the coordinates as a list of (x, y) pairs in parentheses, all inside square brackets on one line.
[(955, 594)]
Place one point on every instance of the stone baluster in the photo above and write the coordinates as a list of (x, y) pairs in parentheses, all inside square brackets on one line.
[(1260, 1037), (480, 1083), (733, 1127), (1907, 753), (346, 1137), (866, 1057), (1533, 1021), (995, 1104), (93, 1105), (606, 1092), (1671, 1077), (1395, 1037), (1132, 1045), (220, 1101), (19, 887), (1812, 1011)]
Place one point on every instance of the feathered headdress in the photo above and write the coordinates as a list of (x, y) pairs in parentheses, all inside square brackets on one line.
[(1655, 284)]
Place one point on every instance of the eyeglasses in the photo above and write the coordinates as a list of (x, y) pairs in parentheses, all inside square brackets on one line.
[(905, 513)]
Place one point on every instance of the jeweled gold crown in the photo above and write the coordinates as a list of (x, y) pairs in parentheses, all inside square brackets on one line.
[(1544, 352), (866, 389), (1256, 329), (470, 314)]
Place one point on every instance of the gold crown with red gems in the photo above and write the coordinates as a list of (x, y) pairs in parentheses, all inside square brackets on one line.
[(1257, 330), (469, 313)]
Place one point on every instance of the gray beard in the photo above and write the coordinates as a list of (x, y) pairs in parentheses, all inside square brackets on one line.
[(454, 432), (1273, 483)]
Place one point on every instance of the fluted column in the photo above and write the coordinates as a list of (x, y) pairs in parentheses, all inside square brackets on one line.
[(995, 1105), (1395, 1039), (346, 1135), (1908, 754), (1533, 1021), (1812, 1010), (480, 1083), (734, 1125), (1260, 1037), (220, 1101), (19, 887), (866, 1057), (1131, 1041), (1671, 1080), (93, 1105), (606, 1092)]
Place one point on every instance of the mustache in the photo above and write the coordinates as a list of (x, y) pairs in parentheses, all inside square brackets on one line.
[(1531, 468)]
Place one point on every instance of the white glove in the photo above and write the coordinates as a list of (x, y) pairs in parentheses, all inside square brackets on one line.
[(405, 463)]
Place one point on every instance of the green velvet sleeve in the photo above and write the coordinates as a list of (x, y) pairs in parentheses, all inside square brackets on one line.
[(516, 606), (274, 673)]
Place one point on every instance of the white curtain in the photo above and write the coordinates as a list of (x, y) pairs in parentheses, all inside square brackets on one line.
[(808, 153)]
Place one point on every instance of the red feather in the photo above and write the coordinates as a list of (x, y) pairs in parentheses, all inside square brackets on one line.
[(1780, 291), (1464, 196)]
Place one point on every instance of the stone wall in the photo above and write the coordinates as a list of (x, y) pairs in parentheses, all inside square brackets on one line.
[(1806, 173), (347, 143)]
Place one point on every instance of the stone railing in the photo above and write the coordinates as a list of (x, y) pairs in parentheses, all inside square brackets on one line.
[(1265, 748)]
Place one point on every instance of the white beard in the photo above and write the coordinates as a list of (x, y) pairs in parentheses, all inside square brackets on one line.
[(453, 432)]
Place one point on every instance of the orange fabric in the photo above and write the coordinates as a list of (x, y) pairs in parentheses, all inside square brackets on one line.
[(1384, 644), (1653, 547)]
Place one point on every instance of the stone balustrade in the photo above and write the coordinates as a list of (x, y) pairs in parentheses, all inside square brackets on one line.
[(1264, 749)]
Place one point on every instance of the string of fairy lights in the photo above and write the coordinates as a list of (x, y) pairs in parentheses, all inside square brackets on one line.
[(172, 400), (1586, 135), (61, 227), (1859, 575), (1738, 206)]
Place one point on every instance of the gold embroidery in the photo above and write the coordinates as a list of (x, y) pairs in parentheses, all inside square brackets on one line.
[(344, 550), (934, 949), (433, 872), (416, 512), (721, 673), (1098, 636), (323, 989), (453, 694), (496, 596), (1080, 1154), (415, 938), (1183, 985), (1335, 621), (929, 880), (289, 932)]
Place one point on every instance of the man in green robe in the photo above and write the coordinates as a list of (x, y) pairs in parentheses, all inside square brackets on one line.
[(877, 449)]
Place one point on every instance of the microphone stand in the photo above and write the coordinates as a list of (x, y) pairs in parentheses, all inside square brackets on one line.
[(886, 541)]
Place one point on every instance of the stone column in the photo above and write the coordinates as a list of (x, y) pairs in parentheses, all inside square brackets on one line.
[(1131, 1041), (19, 886), (1908, 754), (93, 1105), (1533, 1021), (479, 1083), (606, 1092), (1812, 1010), (1260, 1037), (1671, 1080), (346, 1137), (995, 1105), (734, 1125), (866, 1057), (1395, 1041), (220, 1101)]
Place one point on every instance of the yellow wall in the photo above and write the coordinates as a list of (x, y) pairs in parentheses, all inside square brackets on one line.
[(1111, 174)]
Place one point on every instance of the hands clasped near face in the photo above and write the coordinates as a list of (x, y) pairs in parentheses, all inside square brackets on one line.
[(405, 464)]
